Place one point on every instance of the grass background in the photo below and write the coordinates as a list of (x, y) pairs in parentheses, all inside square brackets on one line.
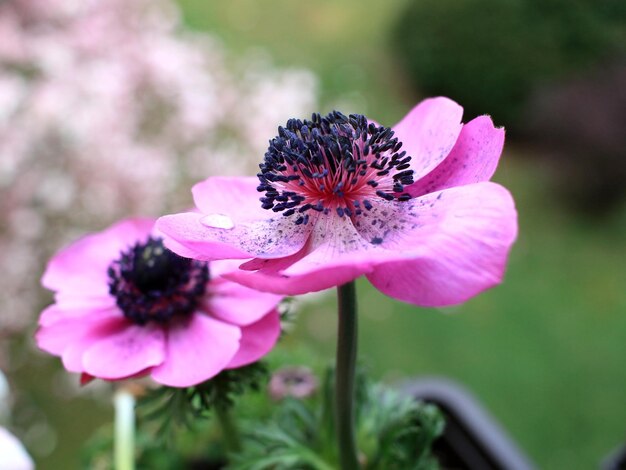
[(545, 351)]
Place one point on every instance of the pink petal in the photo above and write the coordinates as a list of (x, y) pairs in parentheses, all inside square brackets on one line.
[(218, 194), (316, 278), (449, 246), (70, 339), (197, 349), (80, 300), (82, 266), (218, 268), (186, 236), (125, 351), (55, 312), (428, 133), (243, 240), (478, 221), (336, 254), (176, 247), (257, 340), (237, 304), (474, 158), (59, 328)]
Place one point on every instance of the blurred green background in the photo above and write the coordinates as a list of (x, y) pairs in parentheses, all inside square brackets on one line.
[(544, 351)]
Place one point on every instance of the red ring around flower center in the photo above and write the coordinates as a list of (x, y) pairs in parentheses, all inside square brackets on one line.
[(332, 163)]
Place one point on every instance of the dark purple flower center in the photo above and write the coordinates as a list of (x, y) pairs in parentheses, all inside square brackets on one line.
[(151, 283), (332, 163)]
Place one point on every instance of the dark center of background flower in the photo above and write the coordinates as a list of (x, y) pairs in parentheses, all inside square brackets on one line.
[(152, 283), (332, 163)]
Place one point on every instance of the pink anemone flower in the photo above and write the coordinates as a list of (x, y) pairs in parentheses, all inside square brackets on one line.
[(126, 306), (410, 207)]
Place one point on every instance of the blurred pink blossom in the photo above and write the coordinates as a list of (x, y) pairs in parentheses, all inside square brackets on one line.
[(107, 109), (294, 381)]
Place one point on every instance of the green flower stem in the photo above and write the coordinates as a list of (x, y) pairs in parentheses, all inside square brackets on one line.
[(124, 453), (344, 376), (230, 433)]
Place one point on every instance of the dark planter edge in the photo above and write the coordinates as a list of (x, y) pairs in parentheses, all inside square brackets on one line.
[(471, 433), (616, 460)]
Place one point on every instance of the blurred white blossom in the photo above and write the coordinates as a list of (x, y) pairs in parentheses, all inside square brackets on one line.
[(109, 108), (13, 456)]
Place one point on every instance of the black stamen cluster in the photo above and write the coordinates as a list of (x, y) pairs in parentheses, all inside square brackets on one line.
[(339, 146), (152, 283)]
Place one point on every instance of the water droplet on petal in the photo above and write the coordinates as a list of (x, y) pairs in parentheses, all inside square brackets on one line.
[(217, 221)]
